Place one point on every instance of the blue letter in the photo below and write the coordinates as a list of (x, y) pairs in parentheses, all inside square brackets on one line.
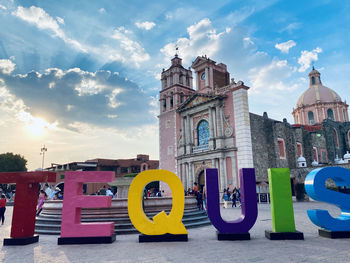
[(315, 186)]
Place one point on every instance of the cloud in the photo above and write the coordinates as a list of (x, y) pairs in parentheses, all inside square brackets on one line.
[(96, 98), (131, 49), (291, 27), (7, 66), (43, 21), (232, 46), (285, 46), (3, 7), (272, 77), (60, 20), (307, 57), (102, 10), (145, 25)]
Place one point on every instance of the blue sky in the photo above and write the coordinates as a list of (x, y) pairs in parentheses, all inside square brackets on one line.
[(82, 77)]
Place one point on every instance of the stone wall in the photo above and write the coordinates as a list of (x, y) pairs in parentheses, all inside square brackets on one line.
[(300, 173)]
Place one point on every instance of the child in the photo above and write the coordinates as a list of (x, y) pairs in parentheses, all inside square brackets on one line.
[(42, 197)]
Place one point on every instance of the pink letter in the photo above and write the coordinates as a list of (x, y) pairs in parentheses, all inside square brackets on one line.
[(74, 201)]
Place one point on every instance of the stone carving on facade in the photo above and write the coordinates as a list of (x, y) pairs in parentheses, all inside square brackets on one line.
[(228, 128)]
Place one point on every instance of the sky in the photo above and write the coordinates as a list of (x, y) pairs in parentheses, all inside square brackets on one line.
[(83, 77)]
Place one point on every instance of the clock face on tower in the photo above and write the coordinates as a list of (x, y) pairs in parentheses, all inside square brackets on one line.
[(203, 76)]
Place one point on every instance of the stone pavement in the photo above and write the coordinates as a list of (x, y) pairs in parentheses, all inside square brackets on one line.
[(201, 247)]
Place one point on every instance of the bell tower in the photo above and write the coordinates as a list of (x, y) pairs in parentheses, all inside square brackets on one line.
[(176, 88), (210, 75)]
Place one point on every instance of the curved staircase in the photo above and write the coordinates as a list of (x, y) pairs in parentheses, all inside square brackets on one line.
[(49, 220)]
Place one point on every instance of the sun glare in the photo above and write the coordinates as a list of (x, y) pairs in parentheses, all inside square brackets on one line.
[(38, 126)]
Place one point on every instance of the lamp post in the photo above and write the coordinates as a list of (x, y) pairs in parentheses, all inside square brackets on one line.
[(42, 152)]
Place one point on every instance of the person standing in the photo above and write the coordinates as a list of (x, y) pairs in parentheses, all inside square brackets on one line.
[(42, 197), (2, 208), (233, 197)]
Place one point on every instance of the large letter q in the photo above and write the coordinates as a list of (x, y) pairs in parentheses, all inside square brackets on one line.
[(162, 223)]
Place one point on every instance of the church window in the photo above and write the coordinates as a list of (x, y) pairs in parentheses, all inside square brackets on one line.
[(314, 149), (281, 148), (187, 81), (330, 114), (336, 141), (310, 115), (164, 103), (182, 97), (203, 132), (171, 100), (299, 149), (313, 80)]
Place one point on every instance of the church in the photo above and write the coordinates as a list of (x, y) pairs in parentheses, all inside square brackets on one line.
[(211, 127)]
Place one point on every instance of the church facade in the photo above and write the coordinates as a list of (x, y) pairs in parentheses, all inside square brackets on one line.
[(203, 128), (211, 127)]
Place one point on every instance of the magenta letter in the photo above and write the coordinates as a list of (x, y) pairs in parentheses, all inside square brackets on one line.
[(74, 200)]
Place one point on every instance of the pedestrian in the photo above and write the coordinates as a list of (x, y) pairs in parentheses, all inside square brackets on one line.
[(225, 198), (233, 197), (238, 196), (109, 192), (199, 198), (42, 198), (2, 208), (204, 198)]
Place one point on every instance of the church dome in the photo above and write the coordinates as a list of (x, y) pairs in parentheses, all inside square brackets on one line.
[(317, 93)]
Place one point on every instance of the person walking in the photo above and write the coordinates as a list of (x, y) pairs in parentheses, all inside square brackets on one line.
[(233, 197), (2, 208)]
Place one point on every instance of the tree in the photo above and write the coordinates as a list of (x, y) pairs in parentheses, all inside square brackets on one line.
[(10, 162)]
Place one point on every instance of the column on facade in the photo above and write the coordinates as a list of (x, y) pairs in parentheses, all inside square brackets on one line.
[(183, 133), (218, 121), (324, 114), (211, 125), (338, 113), (222, 175), (211, 77), (226, 173), (206, 77), (213, 163), (234, 171), (192, 173), (188, 130), (184, 177), (317, 117)]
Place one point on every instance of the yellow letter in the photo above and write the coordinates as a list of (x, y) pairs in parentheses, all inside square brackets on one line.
[(162, 223)]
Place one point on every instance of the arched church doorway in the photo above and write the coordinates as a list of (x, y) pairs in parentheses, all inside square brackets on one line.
[(201, 180)]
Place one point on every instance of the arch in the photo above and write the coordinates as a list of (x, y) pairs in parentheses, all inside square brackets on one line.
[(171, 99), (203, 132), (315, 153), (201, 180), (310, 116), (182, 96), (164, 103), (336, 141), (330, 114), (313, 80)]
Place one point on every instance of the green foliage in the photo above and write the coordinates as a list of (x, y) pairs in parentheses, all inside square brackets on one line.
[(10, 162), (131, 175), (300, 192)]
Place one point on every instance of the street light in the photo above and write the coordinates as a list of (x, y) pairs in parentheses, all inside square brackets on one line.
[(42, 152)]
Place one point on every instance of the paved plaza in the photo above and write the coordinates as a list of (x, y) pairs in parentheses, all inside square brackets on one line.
[(201, 247)]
